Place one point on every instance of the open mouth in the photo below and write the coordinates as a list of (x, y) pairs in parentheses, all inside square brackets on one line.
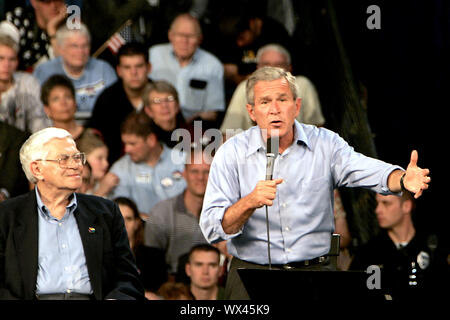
[(276, 122)]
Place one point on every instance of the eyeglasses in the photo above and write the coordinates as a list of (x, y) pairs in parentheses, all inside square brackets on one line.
[(188, 36), (159, 100), (64, 159)]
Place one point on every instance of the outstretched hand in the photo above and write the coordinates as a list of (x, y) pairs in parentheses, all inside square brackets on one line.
[(416, 179)]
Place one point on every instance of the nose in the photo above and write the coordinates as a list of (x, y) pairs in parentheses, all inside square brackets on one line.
[(205, 270), (378, 209), (74, 164), (274, 107)]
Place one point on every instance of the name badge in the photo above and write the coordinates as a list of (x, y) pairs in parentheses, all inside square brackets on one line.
[(167, 182), (143, 178)]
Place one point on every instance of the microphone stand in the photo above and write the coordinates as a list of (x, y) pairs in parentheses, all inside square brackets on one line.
[(268, 237)]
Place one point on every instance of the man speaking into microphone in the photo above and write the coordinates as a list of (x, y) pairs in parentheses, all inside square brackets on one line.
[(311, 163)]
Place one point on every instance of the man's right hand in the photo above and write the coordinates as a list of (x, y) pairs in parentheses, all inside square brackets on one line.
[(237, 215), (264, 193)]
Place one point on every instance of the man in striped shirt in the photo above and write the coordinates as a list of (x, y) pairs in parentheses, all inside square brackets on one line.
[(173, 223)]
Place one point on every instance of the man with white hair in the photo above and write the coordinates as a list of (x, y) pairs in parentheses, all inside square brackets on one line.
[(20, 103), (56, 244), (90, 76)]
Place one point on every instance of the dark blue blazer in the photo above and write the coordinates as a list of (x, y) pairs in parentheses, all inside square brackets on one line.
[(111, 266)]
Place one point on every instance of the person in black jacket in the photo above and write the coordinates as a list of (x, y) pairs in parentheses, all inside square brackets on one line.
[(412, 262), (123, 97), (12, 179), (56, 244), (150, 261)]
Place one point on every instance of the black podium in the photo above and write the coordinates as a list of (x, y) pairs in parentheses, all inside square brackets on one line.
[(308, 285)]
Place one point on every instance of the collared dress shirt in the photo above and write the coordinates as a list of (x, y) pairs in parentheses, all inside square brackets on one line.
[(147, 185), (204, 67), (61, 261), (301, 217)]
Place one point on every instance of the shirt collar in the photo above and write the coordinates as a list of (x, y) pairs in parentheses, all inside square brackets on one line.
[(256, 142), (194, 56), (46, 213)]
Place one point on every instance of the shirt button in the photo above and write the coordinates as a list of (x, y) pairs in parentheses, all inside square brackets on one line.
[(68, 291), (287, 229), (283, 205), (60, 224), (63, 246), (288, 250)]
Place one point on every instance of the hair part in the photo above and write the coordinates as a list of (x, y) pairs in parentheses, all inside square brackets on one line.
[(273, 47), (132, 49), (139, 124), (160, 87), (91, 142), (64, 32), (33, 148), (57, 80), (205, 248), (269, 74), (7, 41)]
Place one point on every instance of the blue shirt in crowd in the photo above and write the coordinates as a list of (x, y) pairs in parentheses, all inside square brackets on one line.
[(301, 217), (147, 185), (200, 84), (97, 75)]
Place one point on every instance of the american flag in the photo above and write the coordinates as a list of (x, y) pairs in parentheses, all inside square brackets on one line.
[(119, 38)]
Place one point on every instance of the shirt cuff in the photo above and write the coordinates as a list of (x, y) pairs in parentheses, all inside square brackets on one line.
[(384, 181), (218, 229)]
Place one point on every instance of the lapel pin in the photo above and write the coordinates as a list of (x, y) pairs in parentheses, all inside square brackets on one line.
[(91, 230)]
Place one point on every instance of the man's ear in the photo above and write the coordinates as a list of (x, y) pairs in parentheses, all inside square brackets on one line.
[(407, 206), (187, 268), (298, 106), (152, 140), (251, 111), (36, 170)]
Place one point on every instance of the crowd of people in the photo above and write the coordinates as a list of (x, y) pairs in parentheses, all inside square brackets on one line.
[(128, 116)]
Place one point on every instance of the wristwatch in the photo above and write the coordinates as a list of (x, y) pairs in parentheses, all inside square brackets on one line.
[(402, 185)]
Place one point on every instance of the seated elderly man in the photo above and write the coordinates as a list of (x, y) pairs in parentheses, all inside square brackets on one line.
[(90, 76), (57, 244), (195, 73), (273, 55)]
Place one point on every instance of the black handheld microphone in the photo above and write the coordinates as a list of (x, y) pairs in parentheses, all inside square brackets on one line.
[(271, 154)]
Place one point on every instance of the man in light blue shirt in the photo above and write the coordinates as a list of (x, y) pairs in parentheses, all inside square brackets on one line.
[(57, 244), (150, 171), (65, 271), (311, 163), (89, 76), (195, 73)]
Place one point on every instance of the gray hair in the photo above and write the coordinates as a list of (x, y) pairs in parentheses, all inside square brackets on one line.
[(33, 148), (64, 32), (160, 86), (273, 47), (269, 74)]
